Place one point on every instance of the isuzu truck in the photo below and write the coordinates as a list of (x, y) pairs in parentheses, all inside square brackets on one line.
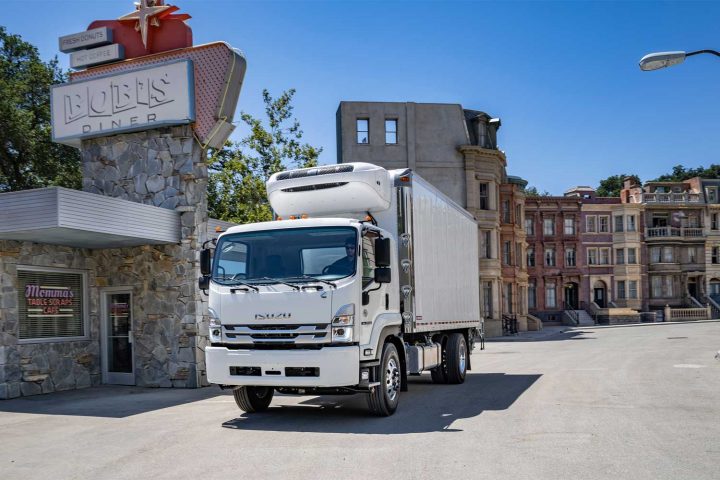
[(366, 276)]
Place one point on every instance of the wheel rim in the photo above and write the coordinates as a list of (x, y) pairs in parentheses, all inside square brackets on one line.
[(261, 392), (392, 379), (462, 358)]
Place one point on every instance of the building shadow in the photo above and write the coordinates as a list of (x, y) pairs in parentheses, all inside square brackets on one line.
[(555, 337), (111, 401), (424, 408)]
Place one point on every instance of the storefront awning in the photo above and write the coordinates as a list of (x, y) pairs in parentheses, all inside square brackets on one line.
[(73, 218)]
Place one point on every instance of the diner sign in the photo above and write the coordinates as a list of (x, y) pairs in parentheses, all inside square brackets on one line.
[(138, 100), (87, 39), (50, 304)]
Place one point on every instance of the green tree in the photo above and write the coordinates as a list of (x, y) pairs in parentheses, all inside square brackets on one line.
[(680, 173), (28, 157), (238, 172), (611, 186), (533, 192)]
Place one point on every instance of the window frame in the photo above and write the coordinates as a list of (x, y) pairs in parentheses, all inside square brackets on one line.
[(591, 224), (85, 305), (600, 223), (395, 122), (357, 130), (484, 198)]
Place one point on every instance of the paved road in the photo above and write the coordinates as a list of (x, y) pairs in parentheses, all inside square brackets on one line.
[(637, 403)]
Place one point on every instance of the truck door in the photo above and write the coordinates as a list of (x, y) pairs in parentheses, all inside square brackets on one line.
[(375, 294)]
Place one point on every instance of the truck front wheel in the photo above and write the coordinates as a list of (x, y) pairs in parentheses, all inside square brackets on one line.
[(383, 399), (253, 399)]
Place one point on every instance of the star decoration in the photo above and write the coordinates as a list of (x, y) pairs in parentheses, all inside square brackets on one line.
[(148, 13)]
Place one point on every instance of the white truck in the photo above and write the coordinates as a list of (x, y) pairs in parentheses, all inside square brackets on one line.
[(365, 277)]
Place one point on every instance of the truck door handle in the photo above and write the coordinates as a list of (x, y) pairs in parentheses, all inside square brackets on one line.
[(387, 301)]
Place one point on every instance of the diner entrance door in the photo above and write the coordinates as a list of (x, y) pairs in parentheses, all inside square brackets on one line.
[(117, 338)]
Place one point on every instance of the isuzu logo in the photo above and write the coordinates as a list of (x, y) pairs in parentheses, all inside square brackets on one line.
[(273, 316)]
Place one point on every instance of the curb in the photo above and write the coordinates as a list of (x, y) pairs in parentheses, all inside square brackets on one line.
[(589, 327)]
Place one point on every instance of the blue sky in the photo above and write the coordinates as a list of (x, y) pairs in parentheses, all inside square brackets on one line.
[(563, 76)]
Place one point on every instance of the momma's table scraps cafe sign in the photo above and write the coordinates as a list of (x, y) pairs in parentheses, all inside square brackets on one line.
[(138, 100)]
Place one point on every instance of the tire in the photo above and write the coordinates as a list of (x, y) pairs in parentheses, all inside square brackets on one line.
[(457, 353), (253, 399), (383, 400), (439, 374)]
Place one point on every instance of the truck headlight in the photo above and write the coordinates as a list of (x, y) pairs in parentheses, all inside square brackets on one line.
[(343, 320), (345, 315), (342, 334), (215, 326)]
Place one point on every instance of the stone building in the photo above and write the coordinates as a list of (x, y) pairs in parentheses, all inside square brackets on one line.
[(456, 150)]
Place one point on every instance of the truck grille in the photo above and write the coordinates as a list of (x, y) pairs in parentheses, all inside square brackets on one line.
[(277, 334)]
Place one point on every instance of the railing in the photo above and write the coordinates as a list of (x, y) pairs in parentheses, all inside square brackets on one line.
[(592, 310), (694, 302), (659, 232), (686, 314), (671, 197), (571, 313), (714, 307), (509, 324)]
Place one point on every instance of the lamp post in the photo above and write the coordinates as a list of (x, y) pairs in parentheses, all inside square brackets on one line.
[(656, 61)]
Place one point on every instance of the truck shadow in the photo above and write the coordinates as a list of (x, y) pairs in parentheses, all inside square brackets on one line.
[(424, 408)]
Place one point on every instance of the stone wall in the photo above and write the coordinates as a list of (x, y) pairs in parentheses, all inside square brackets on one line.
[(165, 168)]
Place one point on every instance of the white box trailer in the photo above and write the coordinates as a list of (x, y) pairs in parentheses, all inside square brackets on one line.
[(367, 276)]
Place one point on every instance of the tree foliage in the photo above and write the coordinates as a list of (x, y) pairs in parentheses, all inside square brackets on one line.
[(533, 192), (238, 172), (28, 157), (680, 173), (611, 186)]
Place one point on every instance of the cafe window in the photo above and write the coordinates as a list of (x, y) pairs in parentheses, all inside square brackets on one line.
[(51, 304)]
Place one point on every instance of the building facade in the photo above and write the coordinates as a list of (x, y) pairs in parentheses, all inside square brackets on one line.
[(456, 150)]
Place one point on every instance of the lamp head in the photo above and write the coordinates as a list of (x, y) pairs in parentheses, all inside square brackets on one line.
[(656, 61)]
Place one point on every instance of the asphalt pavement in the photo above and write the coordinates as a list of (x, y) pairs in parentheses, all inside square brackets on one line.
[(593, 403)]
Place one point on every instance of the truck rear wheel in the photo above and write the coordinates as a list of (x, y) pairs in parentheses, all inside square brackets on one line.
[(253, 399), (457, 353), (383, 399)]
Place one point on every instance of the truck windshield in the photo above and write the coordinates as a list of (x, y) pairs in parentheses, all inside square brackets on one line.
[(298, 254)]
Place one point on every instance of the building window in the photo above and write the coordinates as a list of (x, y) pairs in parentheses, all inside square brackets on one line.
[(668, 256), (715, 289), (518, 214), (550, 296), (569, 226), (530, 226), (662, 286), (363, 130), (506, 253), (487, 299), (714, 221), (550, 257), (619, 223), (591, 224), (631, 227), (51, 304), (620, 256), (604, 256), (603, 224), (531, 294), (712, 195), (570, 257), (592, 256), (631, 256), (391, 131), (655, 254), (508, 298), (715, 259), (549, 226), (656, 287), (484, 196), (692, 257), (530, 257), (632, 287), (485, 244), (518, 254), (621, 290), (506, 211)]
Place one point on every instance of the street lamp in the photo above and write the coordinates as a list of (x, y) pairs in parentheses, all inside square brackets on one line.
[(656, 61)]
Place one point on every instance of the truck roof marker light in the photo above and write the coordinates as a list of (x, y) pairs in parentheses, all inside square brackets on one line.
[(279, 217), (293, 217), (368, 218), (304, 216), (405, 178), (218, 229)]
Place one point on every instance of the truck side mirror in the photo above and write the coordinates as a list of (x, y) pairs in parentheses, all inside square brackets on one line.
[(382, 252), (205, 260), (204, 282), (382, 274)]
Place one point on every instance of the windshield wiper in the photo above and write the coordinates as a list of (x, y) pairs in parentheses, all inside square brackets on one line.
[(238, 282), (314, 279), (276, 280)]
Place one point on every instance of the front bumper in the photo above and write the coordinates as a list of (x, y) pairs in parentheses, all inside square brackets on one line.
[(338, 366)]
